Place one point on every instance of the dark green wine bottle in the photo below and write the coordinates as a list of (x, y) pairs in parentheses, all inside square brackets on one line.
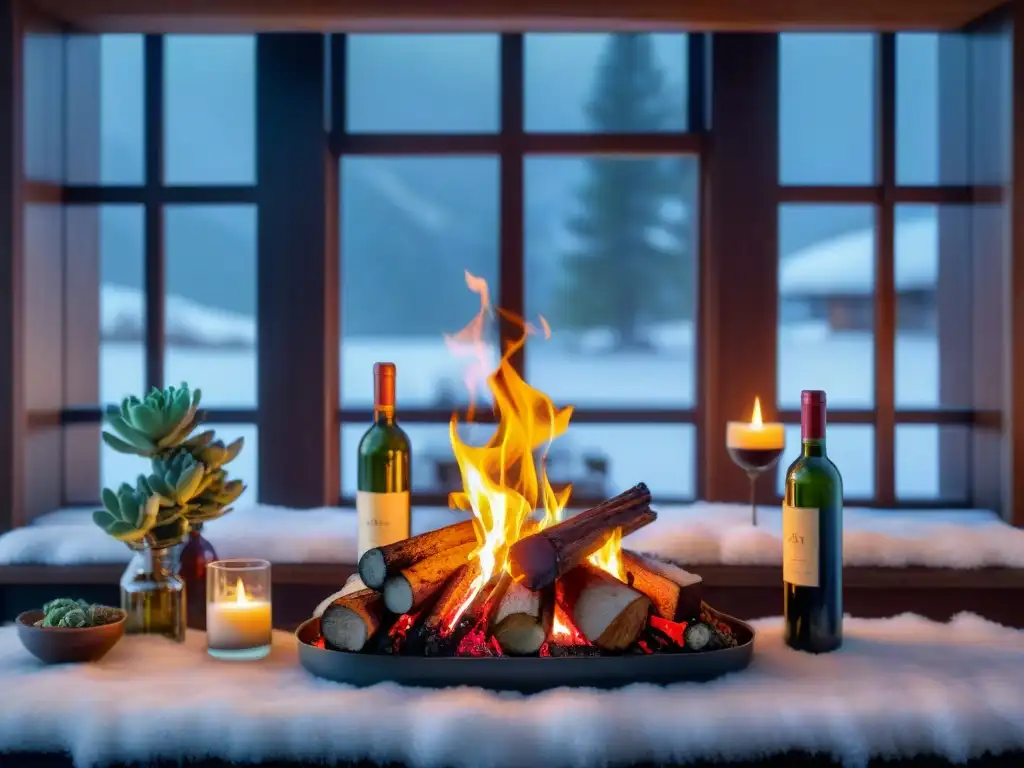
[(812, 538), (382, 496)]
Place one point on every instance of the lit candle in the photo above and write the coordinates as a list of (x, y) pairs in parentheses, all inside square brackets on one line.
[(238, 626), (755, 436)]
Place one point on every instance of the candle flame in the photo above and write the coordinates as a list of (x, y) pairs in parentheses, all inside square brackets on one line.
[(755, 419), (240, 596)]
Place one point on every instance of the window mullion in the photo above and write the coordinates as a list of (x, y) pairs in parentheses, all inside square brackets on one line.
[(885, 289)]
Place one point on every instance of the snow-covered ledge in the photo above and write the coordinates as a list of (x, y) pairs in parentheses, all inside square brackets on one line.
[(696, 534), (959, 686)]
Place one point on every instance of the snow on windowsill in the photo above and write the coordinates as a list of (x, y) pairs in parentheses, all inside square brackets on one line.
[(696, 534), (959, 685)]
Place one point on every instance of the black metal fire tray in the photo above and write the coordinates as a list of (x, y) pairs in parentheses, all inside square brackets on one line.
[(524, 674)]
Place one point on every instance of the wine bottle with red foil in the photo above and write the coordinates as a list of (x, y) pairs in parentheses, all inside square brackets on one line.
[(812, 538), (385, 454)]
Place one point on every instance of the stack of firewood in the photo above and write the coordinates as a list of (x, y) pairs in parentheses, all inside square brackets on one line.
[(425, 585)]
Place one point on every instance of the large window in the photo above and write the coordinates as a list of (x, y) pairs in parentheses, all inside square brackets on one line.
[(874, 228), (559, 168), (570, 172), (160, 224)]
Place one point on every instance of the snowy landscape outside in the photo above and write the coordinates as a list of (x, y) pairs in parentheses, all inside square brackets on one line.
[(422, 221)]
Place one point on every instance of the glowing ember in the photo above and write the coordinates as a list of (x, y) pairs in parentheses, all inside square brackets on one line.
[(674, 630), (501, 480), (564, 632)]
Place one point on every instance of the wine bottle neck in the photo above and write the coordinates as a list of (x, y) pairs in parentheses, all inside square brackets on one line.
[(814, 446), (384, 414)]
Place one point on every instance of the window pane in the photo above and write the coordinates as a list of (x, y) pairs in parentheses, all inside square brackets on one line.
[(410, 229), (43, 82), (210, 109), (611, 264), (826, 304), (934, 336), (599, 460), (850, 446), (210, 316), (105, 105), (827, 108), (117, 468), (105, 353), (932, 462), (931, 108), (422, 83), (606, 83)]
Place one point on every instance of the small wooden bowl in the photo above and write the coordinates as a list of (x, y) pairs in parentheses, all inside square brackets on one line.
[(63, 645)]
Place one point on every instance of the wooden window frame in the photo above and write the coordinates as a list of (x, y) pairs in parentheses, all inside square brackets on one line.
[(512, 144), (733, 129)]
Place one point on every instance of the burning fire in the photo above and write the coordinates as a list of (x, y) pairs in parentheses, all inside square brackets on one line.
[(502, 483)]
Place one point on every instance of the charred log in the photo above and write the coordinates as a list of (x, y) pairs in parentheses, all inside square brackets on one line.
[(610, 614), (411, 587), (376, 565), (538, 560), (675, 594), (522, 619), (350, 621)]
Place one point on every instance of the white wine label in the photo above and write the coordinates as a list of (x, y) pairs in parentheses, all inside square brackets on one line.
[(383, 519), (800, 545)]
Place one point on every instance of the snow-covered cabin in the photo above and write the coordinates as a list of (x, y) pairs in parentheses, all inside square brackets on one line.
[(834, 280)]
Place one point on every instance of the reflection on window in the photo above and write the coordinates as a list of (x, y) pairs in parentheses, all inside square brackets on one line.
[(826, 303), (105, 313), (827, 108), (932, 462), (606, 83), (410, 229), (611, 255), (117, 468), (104, 73), (852, 448), (422, 83), (210, 109), (43, 86), (934, 336), (599, 460), (210, 312), (932, 110)]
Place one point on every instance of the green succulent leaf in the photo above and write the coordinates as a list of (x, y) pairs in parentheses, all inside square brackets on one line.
[(109, 499), (128, 514), (121, 446), (188, 481), (233, 449), (198, 442)]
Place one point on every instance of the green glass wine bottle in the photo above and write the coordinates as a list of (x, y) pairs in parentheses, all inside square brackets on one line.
[(812, 536), (385, 454)]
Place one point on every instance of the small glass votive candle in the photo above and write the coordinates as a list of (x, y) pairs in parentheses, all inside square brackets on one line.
[(238, 618)]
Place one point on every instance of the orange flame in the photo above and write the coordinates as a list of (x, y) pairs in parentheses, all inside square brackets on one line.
[(503, 483), (609, 556)]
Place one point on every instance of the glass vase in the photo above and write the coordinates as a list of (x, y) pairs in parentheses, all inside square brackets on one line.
[(195, 557), (153, 593)]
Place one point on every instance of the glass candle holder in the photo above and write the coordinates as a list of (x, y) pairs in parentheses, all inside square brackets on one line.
[(238, 617)]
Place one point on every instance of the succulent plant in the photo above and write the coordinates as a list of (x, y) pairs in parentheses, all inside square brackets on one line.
[(176, 480), (157, 424), (187, 486), (216, 496), (128, 513), (213, 453), (76, 614)]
